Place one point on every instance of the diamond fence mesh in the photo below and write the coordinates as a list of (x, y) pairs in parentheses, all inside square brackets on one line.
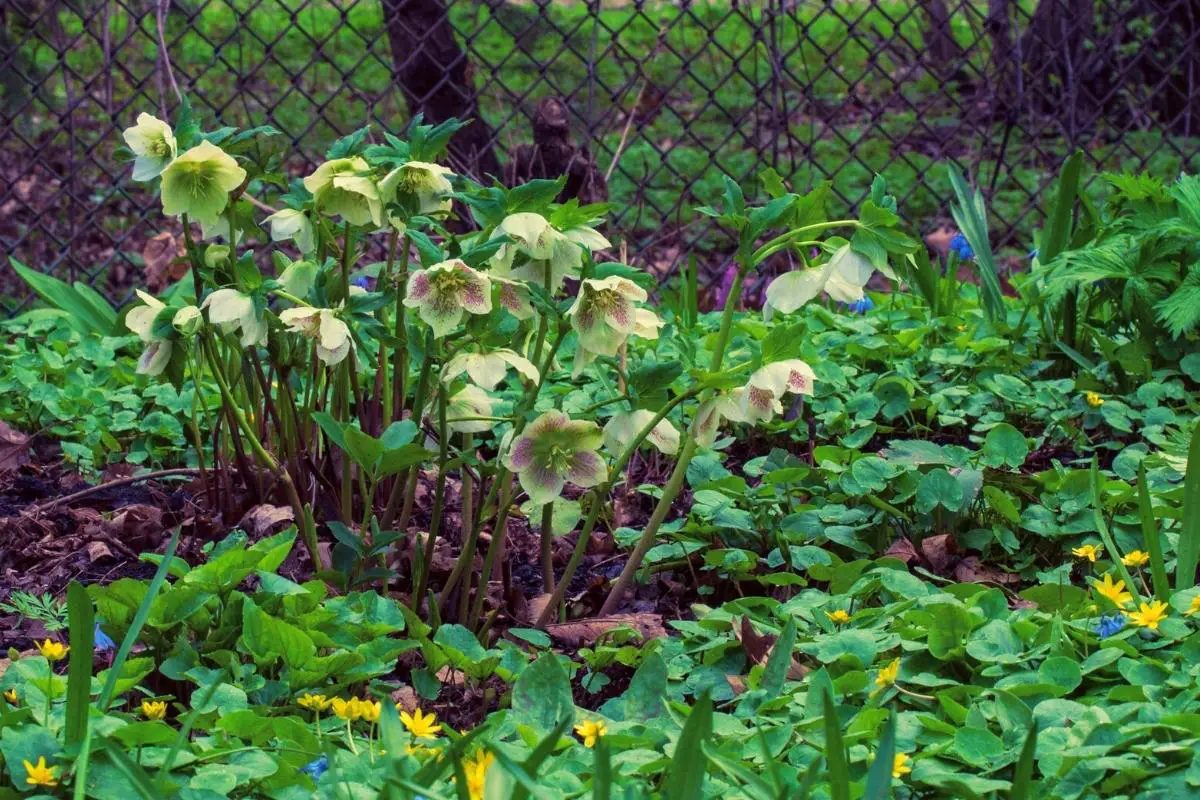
[(657, 101)]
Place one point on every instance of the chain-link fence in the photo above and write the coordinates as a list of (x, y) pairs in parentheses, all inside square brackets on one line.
[(658, 100)]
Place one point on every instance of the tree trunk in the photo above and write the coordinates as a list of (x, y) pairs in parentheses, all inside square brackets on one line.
[(1067, 71), (940, 45), (433, 72)]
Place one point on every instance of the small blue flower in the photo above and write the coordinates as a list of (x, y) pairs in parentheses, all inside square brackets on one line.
[(1108, 625), (103, 642), (364, 282), (1032, 254), (861, 306), (315, 769), (962, 247)]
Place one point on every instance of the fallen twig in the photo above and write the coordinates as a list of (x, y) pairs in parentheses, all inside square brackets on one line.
[(82, 493)]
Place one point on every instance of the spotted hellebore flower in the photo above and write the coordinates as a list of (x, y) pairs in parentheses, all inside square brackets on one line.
[(153, 145), (198, 183), (603, 313), (626, 425), (444, 291), (553, 450), (513, 297), (323, 326), (232, 310), (292, 224), (339, 187), (488, 369), (760, 399), (711, 412), (426, 184)]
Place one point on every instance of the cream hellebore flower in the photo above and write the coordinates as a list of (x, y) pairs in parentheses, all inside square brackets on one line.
[(428, 184), (231, 310), (760, 399), (513, 297), (292, 224), (842, 278), (553, 450), (140, 320), (626, 425), (297, 278), (603, 313), (338, 187), (187, 320), (469, 401), (443, 291), (487, 369), (323, 326), (198, 183), (711, 412), (552, 255), (153, 145)]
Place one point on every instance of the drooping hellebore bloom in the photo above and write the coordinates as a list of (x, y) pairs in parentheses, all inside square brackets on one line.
[(488, 369), (626, 425), (463, 407), (187, 320), (153, 144), (157, 353), (444, 291), (603, 313), (842, 278), (551, 255), (322, 326), (231, 310), (553, 450), (339, 187), (198, 183), (760, 400), (711, 412), (513, 297), (292, 224), (426, 185)]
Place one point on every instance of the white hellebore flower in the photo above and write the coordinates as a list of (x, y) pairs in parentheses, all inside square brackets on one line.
[(463, 405), (153, 145), (427, 184), (487, 369), (444, 291), (760, 398), (626, 425), (339, 187), (842, 278), (292, 224), (323, 326), (231, 310), (187, 320), (140, 320), (552, 256)]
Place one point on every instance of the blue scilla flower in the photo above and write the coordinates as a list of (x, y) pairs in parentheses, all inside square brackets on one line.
[(861, 306), (102, 641), (1032, 254), (364, 282), (962, 247), (315, 769), (1108, 625)]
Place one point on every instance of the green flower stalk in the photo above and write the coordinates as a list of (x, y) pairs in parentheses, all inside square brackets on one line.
[(552, 451), (322, 326), (198, 183), (444, 291), (341, 188), (424, 186), (294, 225), (153, 146)]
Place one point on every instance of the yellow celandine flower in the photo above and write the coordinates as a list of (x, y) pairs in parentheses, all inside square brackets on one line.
[(11, 695), (347, 709), (371, 710), (1093, 399), (1136, 558), (39, 774), (154, 709), (900, 766), (838, 617), (419, 724), (1194, 608), (316, 702), (1149, 615), (53, 651), (1088, 551), (887, 675), (476, 772), (1113, 591), (591, 730)]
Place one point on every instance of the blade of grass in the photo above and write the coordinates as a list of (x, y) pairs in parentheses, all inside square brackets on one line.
[(81, 620), (1158, 569), (685, 779), (835, 752), (1022, 782), (969, 214), (1189, 537), (186, 729), (779, 661), (1110, 546), (132, 770), (879, 777), (602, 772), (540, 753), (1058, 227), (135, 628)]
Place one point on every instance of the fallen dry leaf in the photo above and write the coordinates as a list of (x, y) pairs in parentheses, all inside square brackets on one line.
[(162, 256), (97, 551), (903, 550), (940, 551), (939, 240), (758, 648), (585, 632), (406, 698), (14, 448), (263, 519)]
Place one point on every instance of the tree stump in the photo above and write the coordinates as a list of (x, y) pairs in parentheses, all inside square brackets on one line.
[(552, 155)]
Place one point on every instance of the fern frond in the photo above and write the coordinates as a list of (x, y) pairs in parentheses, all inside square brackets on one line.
[(1180, 311)]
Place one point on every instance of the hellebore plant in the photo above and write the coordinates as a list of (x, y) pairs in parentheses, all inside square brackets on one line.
[(342, 382)]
